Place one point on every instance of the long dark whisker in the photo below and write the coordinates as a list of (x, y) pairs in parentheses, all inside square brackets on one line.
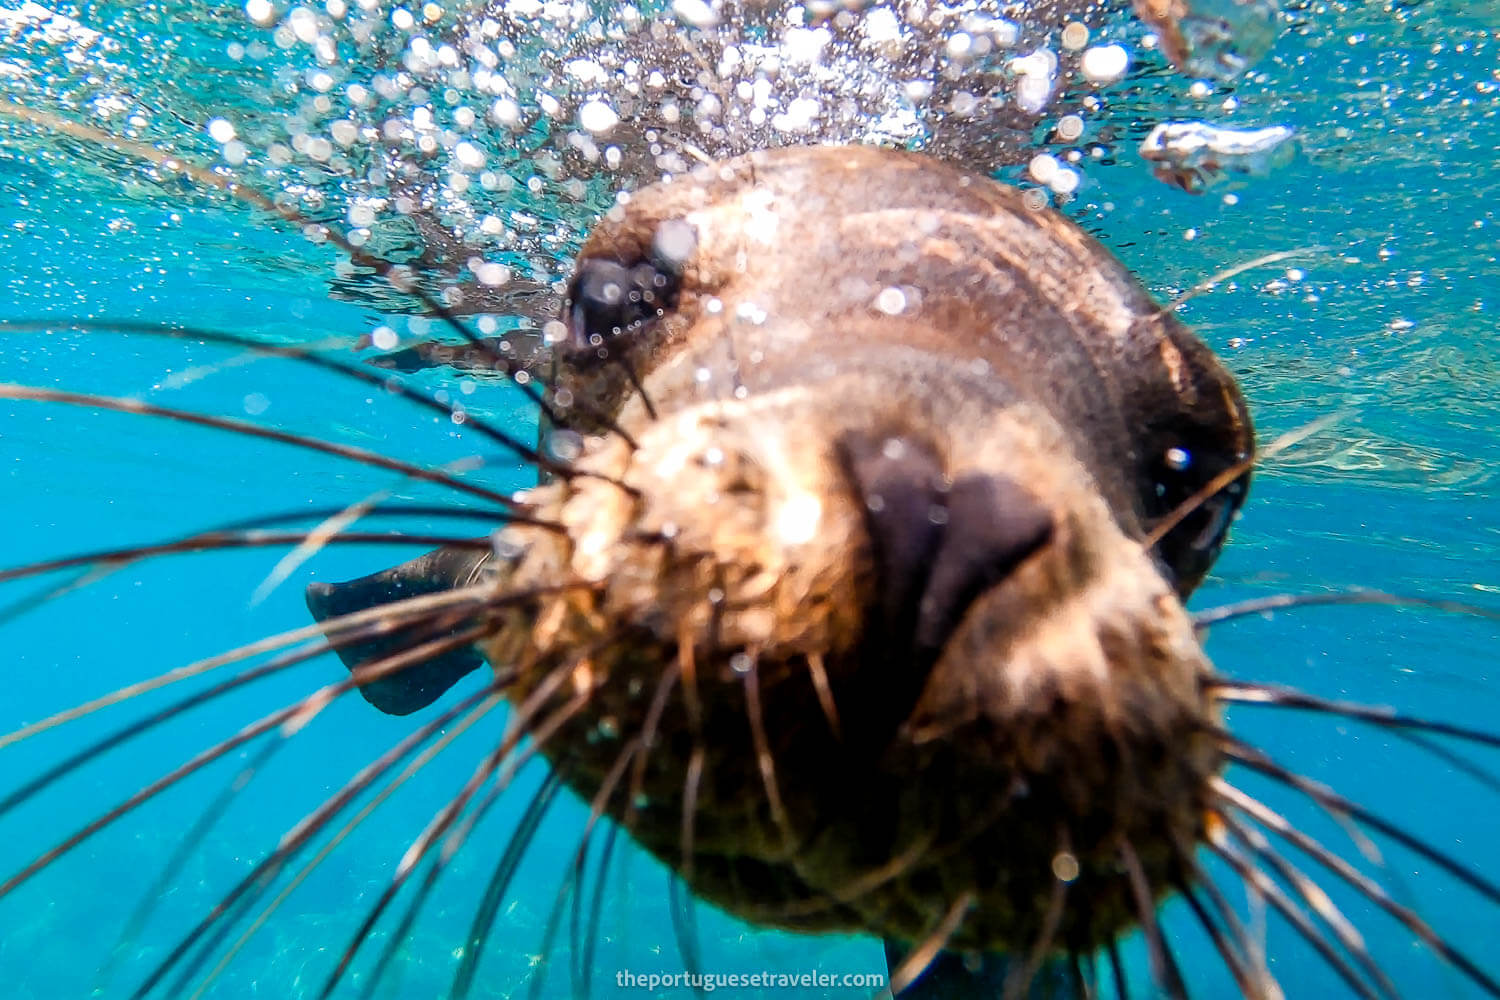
[(596, 906), (1232, 958), (1366, 886), (364, 456), (1275, 695), (387, 508), (1087, 976), (336, 630), (395, 274), (566, 891), (634, 379), (1314, 896), (1163, 966), (1018, 981), (292, 716), (680, 904), (361, 373), (295, 717), (281, 663), (1281, 602), (115, 560), (494, 892), (218, 541), (1254, 953), (190, 841), (443, 820), (407, 773), (1263, 887), (1337, 804), (765, 763), (649, 727), (597, 808), (1117, 972)]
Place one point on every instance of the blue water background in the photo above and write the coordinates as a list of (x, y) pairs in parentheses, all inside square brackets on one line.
[(1398, 495)]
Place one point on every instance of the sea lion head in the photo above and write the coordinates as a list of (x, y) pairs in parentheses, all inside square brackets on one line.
[(864, 611)]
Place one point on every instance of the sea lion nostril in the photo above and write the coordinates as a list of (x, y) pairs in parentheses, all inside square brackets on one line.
[(993, 524), (936, 545), (902, 486)]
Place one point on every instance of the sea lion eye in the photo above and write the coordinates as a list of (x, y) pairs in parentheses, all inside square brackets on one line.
[(1179, 474), (609, 299)]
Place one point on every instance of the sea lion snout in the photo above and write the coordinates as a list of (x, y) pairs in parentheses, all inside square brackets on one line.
[(956, 652)]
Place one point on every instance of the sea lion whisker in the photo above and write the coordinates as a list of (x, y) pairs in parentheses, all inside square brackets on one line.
[(130, 932), (1163, 966), (218, 541), (1367, 887), (1280, 696), (399, 612), (332, 526), (444, 818), (1251, 947), (597, 807), (1085, 974), (303, 353), (543, 957), (260, 876), (245, 429), (921, 955), (765, 763), (684, 913), (1117, 971), (649, 728), (1278, 602), (690, 786), (134, 729), (817, 672), (397, 509), (1264, 888), (1234, 960), (232, 915), (290, 718), (397, 276), (1021, 975), (1210, 283), (1340, 806), (1314, 896), (477, 706), (596, 907), (494, 892)]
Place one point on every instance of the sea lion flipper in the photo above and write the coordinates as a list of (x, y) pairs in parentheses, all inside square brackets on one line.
[(951, 976), (418, 686)]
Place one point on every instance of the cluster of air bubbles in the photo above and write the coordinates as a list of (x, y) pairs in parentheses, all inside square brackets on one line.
[(508, 122), (484, 137)]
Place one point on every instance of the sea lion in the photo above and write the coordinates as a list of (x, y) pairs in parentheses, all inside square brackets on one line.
[(865, 605)]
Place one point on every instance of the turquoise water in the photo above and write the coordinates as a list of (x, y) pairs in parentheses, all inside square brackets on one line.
[(1382, 321)]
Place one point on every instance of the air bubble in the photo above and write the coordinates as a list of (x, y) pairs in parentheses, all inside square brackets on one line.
[(598, 117)]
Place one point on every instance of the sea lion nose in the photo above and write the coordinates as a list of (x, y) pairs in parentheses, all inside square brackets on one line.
[(937, 545)]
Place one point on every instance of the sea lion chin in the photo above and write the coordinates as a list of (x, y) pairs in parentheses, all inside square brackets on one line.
[(861, 611)]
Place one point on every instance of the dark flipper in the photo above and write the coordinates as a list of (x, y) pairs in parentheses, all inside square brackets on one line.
[(418, 686), (950, 977)]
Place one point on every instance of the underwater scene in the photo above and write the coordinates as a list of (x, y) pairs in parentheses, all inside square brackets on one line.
[(202, 202)]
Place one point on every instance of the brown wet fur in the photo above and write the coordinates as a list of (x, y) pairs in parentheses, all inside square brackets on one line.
[(1062, 718)]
